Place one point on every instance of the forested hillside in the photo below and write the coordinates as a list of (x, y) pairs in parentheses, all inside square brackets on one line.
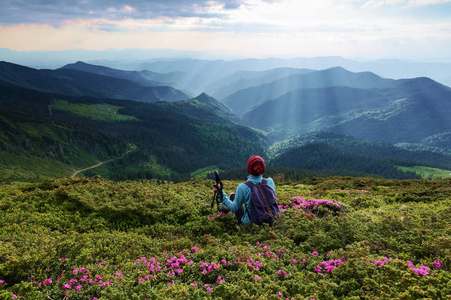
[(61, 133)]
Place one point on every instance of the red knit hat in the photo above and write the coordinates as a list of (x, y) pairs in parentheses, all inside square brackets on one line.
[(256, 165)]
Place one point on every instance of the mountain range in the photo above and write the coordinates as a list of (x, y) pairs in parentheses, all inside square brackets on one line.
[(96, 82), (141, 122)]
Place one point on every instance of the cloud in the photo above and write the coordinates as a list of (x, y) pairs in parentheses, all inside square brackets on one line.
[(380, 3), (388, 28), (56, 11)]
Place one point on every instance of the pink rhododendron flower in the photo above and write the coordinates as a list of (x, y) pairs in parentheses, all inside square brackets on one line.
[(314, 253), (318, 269), (118, 274), (256, 277), (279, 294), (14, 296), (78, 287), (379, 262), (282, 272), (220, 279), (438, 264)]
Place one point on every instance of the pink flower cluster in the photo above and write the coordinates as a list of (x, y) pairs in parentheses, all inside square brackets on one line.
[(438, 264), (309, 205), (423, 270), (45, 282), (282, 272), (379, 262), (328, 266), (254, 265), (207, 268), (220, 279), (217, 215)]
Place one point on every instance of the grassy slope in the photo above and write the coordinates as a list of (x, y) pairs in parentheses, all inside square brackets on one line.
[(119, 231), (427, 172), (100, 112)]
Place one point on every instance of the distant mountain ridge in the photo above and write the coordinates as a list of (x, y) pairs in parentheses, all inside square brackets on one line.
[(244, 99), (397, 111), (80, 83), (144, 77), (245, 79)]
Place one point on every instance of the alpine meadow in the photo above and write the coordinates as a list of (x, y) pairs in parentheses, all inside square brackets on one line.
[(107, 170)]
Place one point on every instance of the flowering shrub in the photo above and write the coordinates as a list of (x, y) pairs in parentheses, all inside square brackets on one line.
[(94, 239), (321, 208)]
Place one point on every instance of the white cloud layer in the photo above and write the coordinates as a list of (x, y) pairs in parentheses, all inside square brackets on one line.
[(258, 28)]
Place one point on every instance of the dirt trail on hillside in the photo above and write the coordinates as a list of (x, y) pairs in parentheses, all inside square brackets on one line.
[(96, 165), (91, 167)]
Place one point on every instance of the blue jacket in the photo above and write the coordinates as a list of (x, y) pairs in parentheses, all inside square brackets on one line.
[(243, 195)]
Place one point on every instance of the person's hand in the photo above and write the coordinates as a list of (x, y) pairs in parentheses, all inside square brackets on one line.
[(216, 188)]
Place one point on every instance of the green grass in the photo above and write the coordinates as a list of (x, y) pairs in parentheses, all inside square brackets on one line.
[(203, 172), (101, 112), (22, 168), (427, 172)]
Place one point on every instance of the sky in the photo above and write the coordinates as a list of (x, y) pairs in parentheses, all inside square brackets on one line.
[(360, 29)]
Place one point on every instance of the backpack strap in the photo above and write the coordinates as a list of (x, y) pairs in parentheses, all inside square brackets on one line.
[(266, 201), (250, 184)]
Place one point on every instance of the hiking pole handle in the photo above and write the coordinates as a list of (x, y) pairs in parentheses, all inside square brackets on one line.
[(218, 185)]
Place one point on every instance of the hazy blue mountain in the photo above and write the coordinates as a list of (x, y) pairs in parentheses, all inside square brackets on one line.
[(135, 59), (244, 99), (105, 71), (244, 79), (80, 83), (401, 111), (146, 78), (312, 109), (419, 109)]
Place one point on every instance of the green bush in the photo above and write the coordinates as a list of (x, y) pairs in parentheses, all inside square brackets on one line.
[(88, 238)]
